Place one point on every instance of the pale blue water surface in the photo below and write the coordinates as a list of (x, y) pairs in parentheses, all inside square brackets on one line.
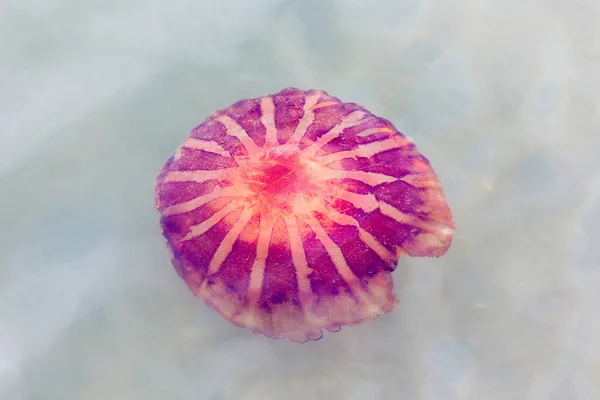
[(502, 96)]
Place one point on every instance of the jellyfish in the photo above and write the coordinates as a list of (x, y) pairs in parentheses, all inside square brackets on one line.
[(287, 213)]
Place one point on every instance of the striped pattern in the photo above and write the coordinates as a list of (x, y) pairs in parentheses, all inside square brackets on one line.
[(287, 213)]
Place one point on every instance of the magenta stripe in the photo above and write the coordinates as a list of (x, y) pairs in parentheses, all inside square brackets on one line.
[(401, 195), (247, 114), (178, 192), (392, 162), (192, 160), (177, 226), (325, 119), (279, 283), (348, 139), (363, 261), (387, 231), (288, 111), (348, 142), (235, 270), (214, 130), (325, 281), (200, 250)]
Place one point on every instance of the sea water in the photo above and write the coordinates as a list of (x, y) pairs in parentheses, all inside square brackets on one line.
[(503, 97)]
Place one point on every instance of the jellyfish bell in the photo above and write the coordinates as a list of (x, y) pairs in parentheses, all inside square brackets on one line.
[(287, 213)]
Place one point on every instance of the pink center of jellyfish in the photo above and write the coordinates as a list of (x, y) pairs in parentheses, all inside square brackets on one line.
[(287, 213)]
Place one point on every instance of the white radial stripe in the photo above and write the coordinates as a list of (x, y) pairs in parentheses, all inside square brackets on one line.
[(234, 129), (379, 249), (201, 228), (366, 150), (421, 180), (226, 244), (298, 255), (306, 120), (333, 250), (325, 104), (262, 251), (365, 236), (370, 178), (404, 218), (371, 131), (366, 202), (395, 214), (353, 119), (196, 202), (198, 175), (206, 145), (267, 109)]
